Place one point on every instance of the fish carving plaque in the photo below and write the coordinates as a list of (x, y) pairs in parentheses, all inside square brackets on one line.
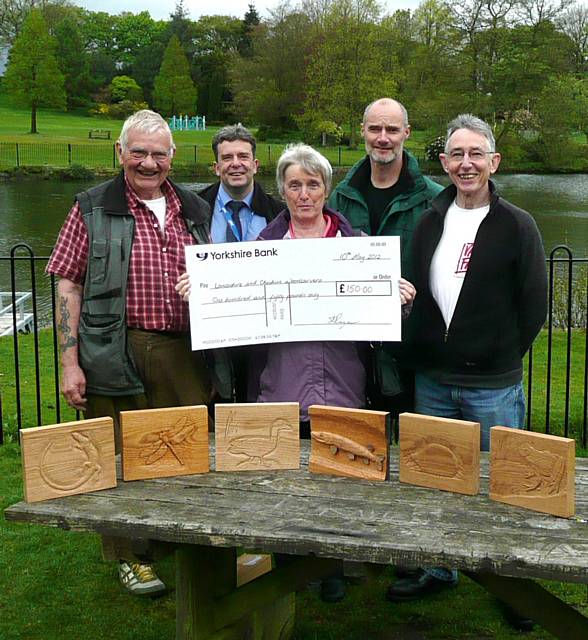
[(65, 459), (257, 436), (533, 470), (440, 453), (349, 442), (158, 443)]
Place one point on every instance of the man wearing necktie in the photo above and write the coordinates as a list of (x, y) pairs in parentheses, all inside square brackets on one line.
[(234, 228), (240, 206), (240, 209)]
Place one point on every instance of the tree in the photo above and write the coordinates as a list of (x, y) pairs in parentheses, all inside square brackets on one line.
[(250, 20), (13, 14), (73, 61), (268, 87), (33, 78), (215, 41), (174, 92), (125, 88), (574, 23), (346, 70)]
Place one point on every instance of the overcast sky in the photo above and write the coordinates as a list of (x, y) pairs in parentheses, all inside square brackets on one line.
[(161, 9)]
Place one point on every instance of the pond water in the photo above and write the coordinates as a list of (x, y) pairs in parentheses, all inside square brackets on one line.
[(33, 211)]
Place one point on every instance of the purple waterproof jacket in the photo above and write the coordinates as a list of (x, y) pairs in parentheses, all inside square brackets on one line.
[(326, 373)]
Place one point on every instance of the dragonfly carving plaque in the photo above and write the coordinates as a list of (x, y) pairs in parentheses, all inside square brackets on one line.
[(157, 443), (348, 442), (440, 453), (533, 470), (66, 459)]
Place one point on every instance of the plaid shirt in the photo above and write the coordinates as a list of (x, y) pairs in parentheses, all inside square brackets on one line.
[(155, 265)]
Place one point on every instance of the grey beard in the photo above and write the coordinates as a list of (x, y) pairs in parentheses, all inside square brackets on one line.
[(378, 160)]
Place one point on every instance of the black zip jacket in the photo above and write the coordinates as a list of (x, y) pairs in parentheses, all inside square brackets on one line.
[(502, 304)]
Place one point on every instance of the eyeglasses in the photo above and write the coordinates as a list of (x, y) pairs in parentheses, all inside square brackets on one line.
[(157, 156), (475, 155)]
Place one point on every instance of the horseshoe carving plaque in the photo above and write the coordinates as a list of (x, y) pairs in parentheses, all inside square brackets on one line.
[(65, 459)]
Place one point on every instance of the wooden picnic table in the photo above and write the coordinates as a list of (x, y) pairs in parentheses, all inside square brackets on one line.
[(320, 520)]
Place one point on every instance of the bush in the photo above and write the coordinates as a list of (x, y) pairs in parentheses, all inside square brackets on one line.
[(434, 148), (119, 110)]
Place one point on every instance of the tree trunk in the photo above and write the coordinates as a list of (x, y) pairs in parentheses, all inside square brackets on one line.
[(34, 117)]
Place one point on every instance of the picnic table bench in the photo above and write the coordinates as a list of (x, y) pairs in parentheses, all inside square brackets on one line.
[(320, 520), (102, 134)]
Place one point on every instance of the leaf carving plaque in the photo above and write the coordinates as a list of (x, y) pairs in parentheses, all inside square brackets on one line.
[(348, 442), (533, 470), (158, 443), (440, 453), (66, 459), (257, 436)]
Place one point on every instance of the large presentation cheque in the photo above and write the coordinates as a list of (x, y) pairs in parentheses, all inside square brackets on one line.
[(293, 290)]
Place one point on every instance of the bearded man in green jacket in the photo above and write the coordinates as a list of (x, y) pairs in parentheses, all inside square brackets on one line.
[(385, 194)]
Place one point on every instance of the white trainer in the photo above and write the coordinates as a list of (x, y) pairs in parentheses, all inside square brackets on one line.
[(139, 579)]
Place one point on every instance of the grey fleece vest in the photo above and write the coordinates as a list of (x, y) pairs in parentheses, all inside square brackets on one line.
[(102, 336)]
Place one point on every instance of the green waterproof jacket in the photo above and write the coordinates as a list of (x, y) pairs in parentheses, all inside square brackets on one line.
[(400, 219), (402, 214)]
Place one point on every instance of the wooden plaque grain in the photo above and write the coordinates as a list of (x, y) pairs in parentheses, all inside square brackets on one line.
[(533, 470), (65, 459), (257, 437), (349, 442), (158, 443), (440, 453)]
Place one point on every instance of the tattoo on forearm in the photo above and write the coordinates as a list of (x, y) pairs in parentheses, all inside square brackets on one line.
[(67, 340)]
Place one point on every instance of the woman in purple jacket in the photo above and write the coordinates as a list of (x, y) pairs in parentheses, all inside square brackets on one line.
[(322, 372)]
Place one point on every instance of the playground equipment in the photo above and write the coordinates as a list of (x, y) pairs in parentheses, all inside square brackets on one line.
[(187, 123)]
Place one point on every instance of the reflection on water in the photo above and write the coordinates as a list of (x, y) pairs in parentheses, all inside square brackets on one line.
[(33, 211)]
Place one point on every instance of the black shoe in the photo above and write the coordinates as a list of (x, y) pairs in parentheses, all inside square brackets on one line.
[(516, 621), (414, 588), (332, 589), (404, 572)]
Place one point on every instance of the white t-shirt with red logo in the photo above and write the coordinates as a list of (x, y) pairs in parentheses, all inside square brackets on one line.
[(452, 256)]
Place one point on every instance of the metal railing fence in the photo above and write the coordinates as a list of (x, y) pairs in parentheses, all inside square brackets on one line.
[(556, 366), (103, 154)]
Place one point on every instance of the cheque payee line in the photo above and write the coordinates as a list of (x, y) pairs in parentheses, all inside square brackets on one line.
[(283, 300)]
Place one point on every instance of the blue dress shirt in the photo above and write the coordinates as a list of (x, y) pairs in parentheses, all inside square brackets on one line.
[(251, 223)]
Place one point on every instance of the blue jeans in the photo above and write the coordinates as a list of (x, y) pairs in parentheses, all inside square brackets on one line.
[(490, 407), (503, 407)]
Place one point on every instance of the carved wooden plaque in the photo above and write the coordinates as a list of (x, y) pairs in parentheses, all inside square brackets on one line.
[(158, 443), (257, 436), (440, 453), (64, 459), (348, 442), (533, 470)]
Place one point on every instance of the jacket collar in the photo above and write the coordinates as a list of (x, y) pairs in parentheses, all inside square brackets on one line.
[(278, 227), (259, 203), (444, 200), (115, 201)]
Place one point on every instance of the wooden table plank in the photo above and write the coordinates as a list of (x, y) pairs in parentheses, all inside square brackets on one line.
[(299, 513)]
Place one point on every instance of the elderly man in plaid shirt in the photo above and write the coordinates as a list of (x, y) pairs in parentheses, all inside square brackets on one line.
[(123, 329)]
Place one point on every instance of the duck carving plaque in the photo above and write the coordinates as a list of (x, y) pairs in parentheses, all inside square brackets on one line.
[(257, 436), (440, 453), (348, 442), (533, 470), (65, 459), (159, 443)]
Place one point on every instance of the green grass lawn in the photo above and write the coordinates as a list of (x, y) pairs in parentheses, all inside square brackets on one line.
[(61, 128), (538, 405), (55, 586)]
